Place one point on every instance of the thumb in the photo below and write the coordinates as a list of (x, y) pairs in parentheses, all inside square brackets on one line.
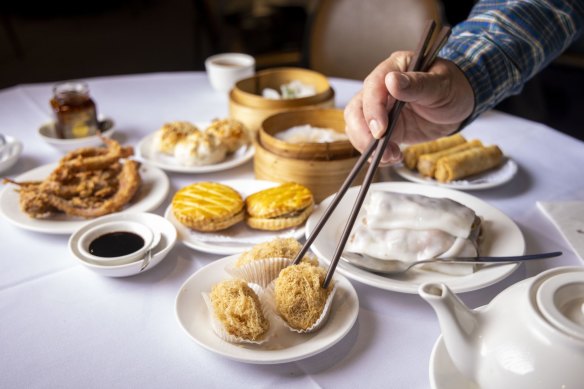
[(421, 88)]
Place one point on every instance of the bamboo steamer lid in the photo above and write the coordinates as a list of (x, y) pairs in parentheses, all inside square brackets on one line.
[(248, 91), (248, 106), (322, 118), (323, 178)]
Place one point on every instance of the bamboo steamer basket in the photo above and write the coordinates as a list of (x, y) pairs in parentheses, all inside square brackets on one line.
[(323, 176), (247, 105), (322, 118)]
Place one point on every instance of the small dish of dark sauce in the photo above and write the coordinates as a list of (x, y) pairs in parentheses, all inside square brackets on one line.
[(116, 244)]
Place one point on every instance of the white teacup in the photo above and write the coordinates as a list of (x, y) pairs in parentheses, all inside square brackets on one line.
[(117, 242), (224, 70)]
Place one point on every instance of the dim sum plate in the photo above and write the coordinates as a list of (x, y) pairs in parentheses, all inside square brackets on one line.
[(146, 153), (501, 236), (286, 346), (150, 195), (235, 239), (489, 179)]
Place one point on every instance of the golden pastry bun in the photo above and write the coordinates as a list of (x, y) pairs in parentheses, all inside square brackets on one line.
[(170, 134), (284, 206), (208, 206), (231, 133)]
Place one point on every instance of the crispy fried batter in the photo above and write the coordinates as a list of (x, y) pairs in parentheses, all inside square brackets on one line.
[(88, 182)]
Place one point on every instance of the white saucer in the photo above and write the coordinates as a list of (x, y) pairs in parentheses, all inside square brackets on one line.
[(10, 152), (157, 223), (48, 134), (443, 373)]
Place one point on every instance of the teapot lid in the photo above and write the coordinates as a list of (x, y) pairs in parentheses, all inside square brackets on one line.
[(560, 299)]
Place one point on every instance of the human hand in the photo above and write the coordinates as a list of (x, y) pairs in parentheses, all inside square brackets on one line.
[(438, 101)]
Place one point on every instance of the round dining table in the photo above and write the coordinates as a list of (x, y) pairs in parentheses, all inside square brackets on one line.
[(65, 326)]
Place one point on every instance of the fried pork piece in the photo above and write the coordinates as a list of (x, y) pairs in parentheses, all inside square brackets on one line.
[(88, 182)]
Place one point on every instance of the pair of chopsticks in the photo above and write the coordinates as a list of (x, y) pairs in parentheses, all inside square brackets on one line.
[(422, 60)]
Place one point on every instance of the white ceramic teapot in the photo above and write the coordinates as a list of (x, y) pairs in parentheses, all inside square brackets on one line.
[(529, 336)]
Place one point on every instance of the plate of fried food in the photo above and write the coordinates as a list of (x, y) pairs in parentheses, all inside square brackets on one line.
[(85, 184), (277, 313), (457, 163), (230, 216), (184, 147), (405, 222)]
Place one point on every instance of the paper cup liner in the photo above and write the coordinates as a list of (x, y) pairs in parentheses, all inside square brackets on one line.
[(260, 272), (271, 301), (220, 331)]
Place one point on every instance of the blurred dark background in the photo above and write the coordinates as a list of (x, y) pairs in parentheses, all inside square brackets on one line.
[(42, 41)]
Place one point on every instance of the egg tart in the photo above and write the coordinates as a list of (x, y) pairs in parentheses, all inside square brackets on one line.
[(208, 206), (284, 206)]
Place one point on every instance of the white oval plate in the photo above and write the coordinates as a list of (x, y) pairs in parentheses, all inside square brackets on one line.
[(237, 238), (488, 179), (501, 237), (443, 373), (152, 192), (146, 153), (156, 222), (287, 346)]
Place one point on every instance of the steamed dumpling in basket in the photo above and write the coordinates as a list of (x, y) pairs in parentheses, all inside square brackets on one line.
[(410, 227)]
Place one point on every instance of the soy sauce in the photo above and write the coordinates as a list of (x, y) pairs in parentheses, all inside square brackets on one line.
[(116, 244)]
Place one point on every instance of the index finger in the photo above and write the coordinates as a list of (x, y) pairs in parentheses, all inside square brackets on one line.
[(376, 98)]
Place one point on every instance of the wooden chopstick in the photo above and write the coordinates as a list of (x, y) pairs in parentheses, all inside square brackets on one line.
[(421, 61)]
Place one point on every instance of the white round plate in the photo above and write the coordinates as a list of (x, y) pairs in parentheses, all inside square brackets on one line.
[(47, 133), (443, 373), (237, 238), (147, 154), (488, 179), (501, 236), (155, 222), (286, 346), (9, 152), (152, 192)]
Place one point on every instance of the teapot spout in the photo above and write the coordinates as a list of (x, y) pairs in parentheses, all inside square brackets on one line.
[(458, 323)]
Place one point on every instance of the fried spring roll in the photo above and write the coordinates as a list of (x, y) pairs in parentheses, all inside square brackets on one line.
[(427, 162), (466, 163), (413, 152)]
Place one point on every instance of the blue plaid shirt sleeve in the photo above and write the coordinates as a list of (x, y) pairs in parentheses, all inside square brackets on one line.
[(503, 43)]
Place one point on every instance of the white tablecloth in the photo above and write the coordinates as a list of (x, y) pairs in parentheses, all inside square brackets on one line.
[(65, 326)]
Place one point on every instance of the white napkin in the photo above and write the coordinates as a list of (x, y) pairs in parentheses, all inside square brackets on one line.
[(568, 217)]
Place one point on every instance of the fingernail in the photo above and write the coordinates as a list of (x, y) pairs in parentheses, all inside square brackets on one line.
[(403, 81), (374, 127)]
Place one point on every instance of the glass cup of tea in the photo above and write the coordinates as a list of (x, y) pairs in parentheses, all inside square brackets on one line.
[(224, 70)]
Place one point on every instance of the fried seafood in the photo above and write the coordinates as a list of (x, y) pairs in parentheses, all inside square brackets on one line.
[(88, 182)]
